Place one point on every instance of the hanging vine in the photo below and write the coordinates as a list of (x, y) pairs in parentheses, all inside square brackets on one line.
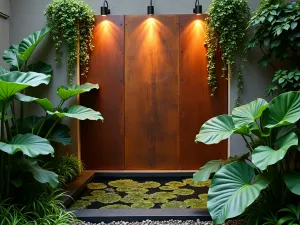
[(226, 31), (71, 20)]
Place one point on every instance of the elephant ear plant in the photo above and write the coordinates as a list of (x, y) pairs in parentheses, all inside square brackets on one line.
[(270, 173), (24, 140)]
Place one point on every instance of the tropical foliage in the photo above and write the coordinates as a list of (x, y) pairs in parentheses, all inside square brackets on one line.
[(226, 30), (24, 140), (73, 23), (277, 34), (271, 171)]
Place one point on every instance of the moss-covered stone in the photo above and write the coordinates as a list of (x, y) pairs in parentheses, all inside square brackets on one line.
[(98, 193), (90, 198), (149, 184), (117, 206), (80, 204), (203, 196), (184, 191), (196, 203), (145, 204), (173, 205), (188, 181), (138, 195), (131, 199), (96, 186), (175, 184), (124, 189), (137, 190), (123, 183), (201, 184), (108, 198), (158, 200), (165, 195), (168, 188)]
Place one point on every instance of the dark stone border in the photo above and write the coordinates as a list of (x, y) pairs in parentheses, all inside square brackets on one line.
[(108, 215)]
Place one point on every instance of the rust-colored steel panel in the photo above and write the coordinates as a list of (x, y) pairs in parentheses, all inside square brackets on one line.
[(196, 104), (151, 92), (102, 144)]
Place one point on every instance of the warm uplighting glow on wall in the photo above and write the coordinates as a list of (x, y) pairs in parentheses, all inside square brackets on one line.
[(106, 36)]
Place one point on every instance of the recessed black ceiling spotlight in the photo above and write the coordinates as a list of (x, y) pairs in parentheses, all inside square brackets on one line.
[(198, 8), (150, 9), (104, 9)]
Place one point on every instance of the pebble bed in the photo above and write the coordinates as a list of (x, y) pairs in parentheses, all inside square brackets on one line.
[(169, 222)]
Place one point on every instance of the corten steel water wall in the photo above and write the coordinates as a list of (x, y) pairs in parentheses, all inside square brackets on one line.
[(153, 94)]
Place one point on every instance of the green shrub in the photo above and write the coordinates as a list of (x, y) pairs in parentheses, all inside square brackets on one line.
[(68, 167), (45, 209)]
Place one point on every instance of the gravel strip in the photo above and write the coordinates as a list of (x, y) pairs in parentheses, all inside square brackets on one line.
[(169, 222)]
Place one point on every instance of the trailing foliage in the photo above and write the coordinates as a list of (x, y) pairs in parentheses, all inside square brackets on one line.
[(277, 34), (226, 30), (72, 22), (270, 133)]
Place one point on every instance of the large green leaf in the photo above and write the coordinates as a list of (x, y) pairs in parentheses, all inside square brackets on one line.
[(31, 124), (10, 56), (264, 156), (41, 67), (27, 46), (3, 71), (247, 114), (13, 82), (73, 89), (41, 175), (292, 181), (232, 191), (204, 173), (43, 102), (79, 112), (60, 134), (31, 145), (215, 130), (282, 110)]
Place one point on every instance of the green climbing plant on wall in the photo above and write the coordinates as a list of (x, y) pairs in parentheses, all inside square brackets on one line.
[(226, 31), (72, 21)]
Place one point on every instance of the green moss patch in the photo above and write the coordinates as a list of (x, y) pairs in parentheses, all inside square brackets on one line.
[(203, 196), (117, 206), (188, 181), (96, 186), (89, 198), (98, 193), (137, 190), (149, 184), (175, 184), (145, 204), (183, 191), (165, 195), (123, 183), (131, 199), (138, 195), (168, 188), (159, 200), (201, 184), (173, 205), (109, 198), (80, 204), (196, 203)]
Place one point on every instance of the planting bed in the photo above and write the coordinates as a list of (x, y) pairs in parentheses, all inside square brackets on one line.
[(137, 196), (142, 193)]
